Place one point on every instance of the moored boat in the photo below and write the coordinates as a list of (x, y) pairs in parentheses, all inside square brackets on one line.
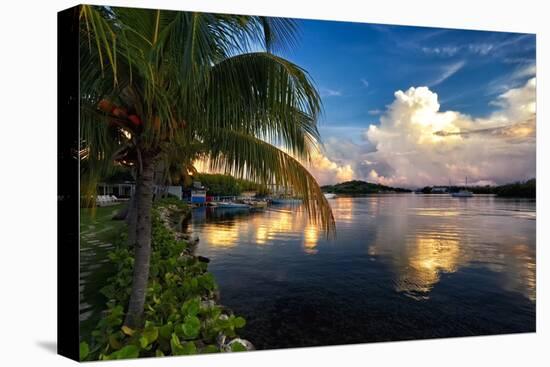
[(463, 193)]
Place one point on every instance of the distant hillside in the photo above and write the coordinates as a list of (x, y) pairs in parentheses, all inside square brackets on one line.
[(357, 187)]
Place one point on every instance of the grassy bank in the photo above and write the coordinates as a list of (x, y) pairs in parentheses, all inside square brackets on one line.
[(98, 222), (98, 235)]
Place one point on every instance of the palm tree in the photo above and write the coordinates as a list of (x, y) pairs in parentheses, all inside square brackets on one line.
[(155, 82)]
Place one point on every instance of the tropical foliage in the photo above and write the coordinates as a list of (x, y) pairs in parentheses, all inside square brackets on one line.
[(180, 309), (160, 88), (226, 185)]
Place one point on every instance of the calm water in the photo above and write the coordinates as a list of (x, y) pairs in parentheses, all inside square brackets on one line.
[(401, 267)]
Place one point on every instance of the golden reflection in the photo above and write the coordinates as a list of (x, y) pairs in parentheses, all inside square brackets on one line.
[(259, 229), (429, 255), (284, 221), (261, 234), (222, 236), (268, 227), (227, 234), (311, 236)]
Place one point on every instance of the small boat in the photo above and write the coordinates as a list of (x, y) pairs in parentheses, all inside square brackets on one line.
[(329, 195), (463, 193)]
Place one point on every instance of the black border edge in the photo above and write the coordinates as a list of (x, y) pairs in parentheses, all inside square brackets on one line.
[(68, 191)]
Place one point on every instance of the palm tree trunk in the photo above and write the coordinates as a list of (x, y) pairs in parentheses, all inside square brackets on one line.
[(142, 248), (131, 218)]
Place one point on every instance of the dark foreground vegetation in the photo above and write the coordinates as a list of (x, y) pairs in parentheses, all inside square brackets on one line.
[(357, 187)]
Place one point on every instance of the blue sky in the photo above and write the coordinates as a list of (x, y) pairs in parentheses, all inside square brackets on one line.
[(358, 68)]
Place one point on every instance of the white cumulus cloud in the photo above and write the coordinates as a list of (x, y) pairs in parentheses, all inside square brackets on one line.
[(327, 171), (424, 146)]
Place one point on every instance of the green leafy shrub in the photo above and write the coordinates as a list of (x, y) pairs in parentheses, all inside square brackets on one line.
[(226, 185), (181, 314)]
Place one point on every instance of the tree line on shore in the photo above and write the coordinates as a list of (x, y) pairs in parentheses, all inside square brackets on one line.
[(226, 185), (520, 189)]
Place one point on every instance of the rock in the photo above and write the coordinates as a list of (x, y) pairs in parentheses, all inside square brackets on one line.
[(220, 340), (245, 343), (203, 259)]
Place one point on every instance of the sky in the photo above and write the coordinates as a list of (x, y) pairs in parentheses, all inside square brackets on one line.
[(414, 106)]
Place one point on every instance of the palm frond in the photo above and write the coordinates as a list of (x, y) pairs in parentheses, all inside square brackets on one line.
[(245, 156), (265, 95), (279, 34)]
